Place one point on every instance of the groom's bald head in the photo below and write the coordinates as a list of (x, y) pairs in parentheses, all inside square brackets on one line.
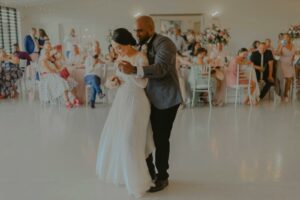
[(144, 27)]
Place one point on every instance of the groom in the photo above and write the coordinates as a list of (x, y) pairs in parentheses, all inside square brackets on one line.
[(163, 92)]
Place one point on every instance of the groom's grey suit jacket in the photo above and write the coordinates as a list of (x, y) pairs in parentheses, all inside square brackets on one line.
[(163, 88)]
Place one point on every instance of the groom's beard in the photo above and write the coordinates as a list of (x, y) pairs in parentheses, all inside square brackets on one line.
[(144, 41)]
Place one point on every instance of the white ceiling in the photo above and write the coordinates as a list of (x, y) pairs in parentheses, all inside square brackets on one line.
[(22, 3)]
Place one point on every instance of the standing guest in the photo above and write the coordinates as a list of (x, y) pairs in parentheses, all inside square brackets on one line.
[(280, 37), (21, 54), (179, 40), (254, 47), (93, 78), (9, 74), (163, 92), (286, 51), (31, 44), (43, 37), (269, 45), (263, 61), (69, 41)]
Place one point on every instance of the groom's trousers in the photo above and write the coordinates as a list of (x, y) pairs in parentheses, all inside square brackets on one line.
[(162, 124)]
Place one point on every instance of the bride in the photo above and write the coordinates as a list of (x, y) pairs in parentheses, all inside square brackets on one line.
[(126, 139)]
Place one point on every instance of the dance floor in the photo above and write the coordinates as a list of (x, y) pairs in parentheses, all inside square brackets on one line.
[(49, 153)]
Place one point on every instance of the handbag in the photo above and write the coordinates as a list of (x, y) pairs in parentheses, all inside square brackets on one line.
[(64, 73)]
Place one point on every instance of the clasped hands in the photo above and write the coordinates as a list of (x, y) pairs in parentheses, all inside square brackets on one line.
[(127, 67)]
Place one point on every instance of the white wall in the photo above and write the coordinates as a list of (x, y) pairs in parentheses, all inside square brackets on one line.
[(247, 20)]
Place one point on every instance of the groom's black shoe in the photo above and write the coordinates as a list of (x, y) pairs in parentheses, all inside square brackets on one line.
[(159, 185)]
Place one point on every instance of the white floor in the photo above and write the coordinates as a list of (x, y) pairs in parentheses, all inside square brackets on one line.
[(48, 153)]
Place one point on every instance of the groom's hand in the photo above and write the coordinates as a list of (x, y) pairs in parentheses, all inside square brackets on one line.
[(127, 68)]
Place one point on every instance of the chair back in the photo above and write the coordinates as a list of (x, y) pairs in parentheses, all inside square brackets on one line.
[(200, 76), (23, 64)]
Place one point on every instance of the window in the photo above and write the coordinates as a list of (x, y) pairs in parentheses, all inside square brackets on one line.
[(9, 21)]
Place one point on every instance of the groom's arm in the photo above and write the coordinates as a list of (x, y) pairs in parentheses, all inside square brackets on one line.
[(165, 59)]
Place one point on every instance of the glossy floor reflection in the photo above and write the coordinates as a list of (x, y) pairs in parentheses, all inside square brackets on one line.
[(48, 153)]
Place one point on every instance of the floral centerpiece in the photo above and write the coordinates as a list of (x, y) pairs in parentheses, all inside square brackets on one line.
[(294, 31), (214, 35)]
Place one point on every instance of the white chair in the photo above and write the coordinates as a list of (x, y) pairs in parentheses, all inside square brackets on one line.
[(238, 87), (22, 80), (295, 87), (201, 82)]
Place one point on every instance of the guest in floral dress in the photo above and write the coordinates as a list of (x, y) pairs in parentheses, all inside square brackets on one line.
[(53, 86), (9, 74)]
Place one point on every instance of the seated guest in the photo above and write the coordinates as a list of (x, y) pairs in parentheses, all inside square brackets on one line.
[(92, 78), (181, 62), (53, 86), (59, 56), (232, 73), (263, 61), (194, 48), (218, 58), (21, 54), (201, 57), (76, 58), (218, 55), (112, 55), (9, 74)]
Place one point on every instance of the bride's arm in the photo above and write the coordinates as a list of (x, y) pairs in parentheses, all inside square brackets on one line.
[(114, 81), (141, 82)]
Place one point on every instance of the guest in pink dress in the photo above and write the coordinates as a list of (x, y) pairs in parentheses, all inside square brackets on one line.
[(287, 52), (231, 73)]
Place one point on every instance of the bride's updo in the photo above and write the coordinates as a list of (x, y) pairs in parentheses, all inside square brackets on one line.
[(124, 37)]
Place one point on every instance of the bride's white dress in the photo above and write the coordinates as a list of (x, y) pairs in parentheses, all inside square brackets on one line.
[(126, 139)]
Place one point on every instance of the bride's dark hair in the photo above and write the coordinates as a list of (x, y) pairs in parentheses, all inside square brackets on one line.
[(123, 36)]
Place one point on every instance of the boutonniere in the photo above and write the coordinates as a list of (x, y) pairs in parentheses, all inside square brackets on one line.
[(144, 49)]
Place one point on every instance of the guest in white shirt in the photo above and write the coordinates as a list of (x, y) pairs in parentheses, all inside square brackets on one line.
[(69, 41), (76, 58), (179, 40), (92, 78)]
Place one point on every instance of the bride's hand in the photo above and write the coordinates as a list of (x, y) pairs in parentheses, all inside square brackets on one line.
[(116, 80)]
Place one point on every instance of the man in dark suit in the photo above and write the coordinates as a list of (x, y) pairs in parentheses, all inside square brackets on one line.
[(263, 61), (163, 92)]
